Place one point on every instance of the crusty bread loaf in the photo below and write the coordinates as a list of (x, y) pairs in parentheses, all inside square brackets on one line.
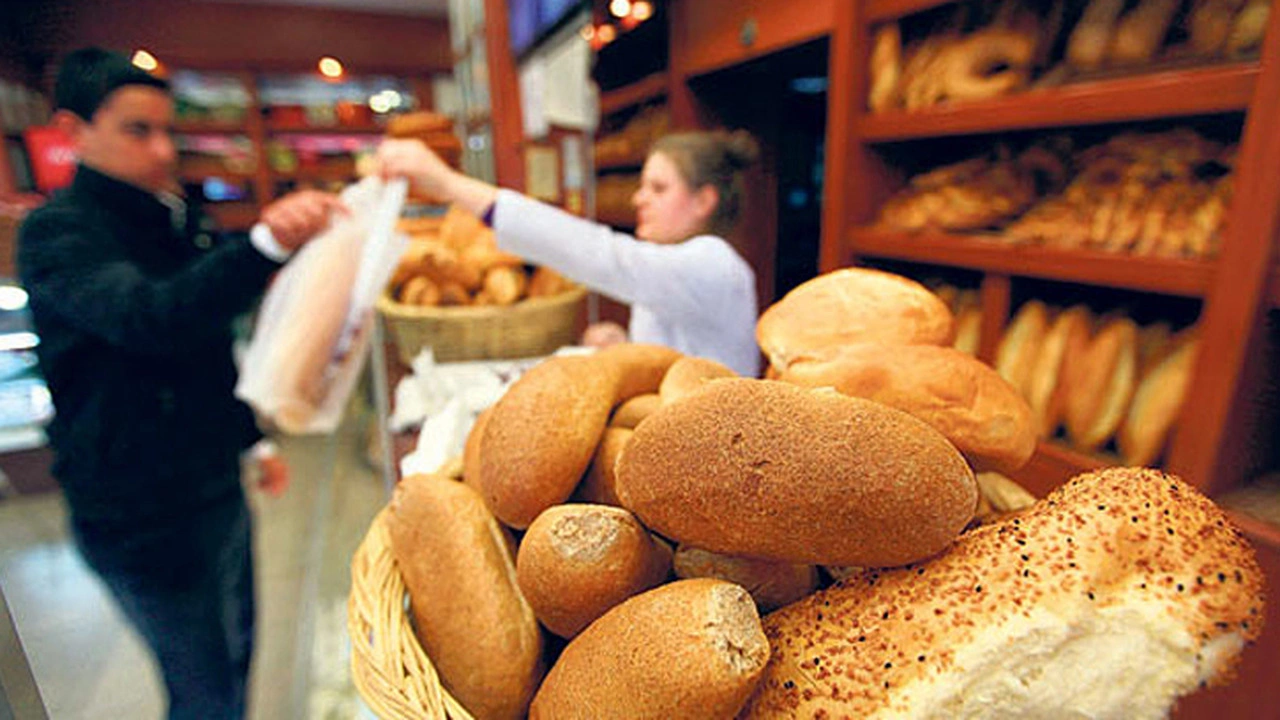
[(1022, 340), (600, 484), (639, 367), (1156, 404), (631, 412), (958, 395), (852, 305), (1102, 384), (578, 561), (1118, 593), (767, 469), (542, 435), (772, 584), (689, 375), (690, 649), (886, 68), (1069, 330), (471, 450), (468, 612)]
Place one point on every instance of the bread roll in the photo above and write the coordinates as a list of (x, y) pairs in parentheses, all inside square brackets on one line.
[(504, 284), (886, 68), (471, 450), (1118, 593), (689, 375), (468, 612), (600, 485), (1016, 355), (1003, 494), (542, 435), (639, 367), (1069, 329), (772, 584), (766, 469), (1141, 31), (578, 561), (546, 282), (968, 330), (692, 650), (848, 306), (1156, 405), (1091, 38), (1248, 29), (1102, 384), (630, 413), (958, 395)]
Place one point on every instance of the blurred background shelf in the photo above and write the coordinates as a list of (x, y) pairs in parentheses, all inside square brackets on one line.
[(648, 88)]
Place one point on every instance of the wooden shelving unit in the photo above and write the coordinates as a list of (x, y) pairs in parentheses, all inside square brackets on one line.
[(1161, 94), (336, 129), (1275, 288), (197, 127), (644, 90), (1189, 278)]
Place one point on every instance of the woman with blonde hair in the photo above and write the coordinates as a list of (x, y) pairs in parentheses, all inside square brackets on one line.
[(686, 285)]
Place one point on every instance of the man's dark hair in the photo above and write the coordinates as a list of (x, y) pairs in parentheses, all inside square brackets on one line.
[(89, 75)]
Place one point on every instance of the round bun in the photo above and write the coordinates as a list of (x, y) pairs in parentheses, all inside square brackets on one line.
[(1119, 592), (689, 375), (850, 306)]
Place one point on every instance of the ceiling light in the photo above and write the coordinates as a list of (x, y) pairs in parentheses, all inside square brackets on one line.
[(330, 67), (145, 60), (12, 297), (642, 10), (587, 32), (606, 34), (620, 8)]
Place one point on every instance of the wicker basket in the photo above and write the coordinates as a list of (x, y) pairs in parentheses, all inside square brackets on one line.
[(531, 327), (391, 671)]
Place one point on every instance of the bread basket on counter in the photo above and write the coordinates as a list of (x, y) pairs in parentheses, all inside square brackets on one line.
[(388, 665), (529, 328)]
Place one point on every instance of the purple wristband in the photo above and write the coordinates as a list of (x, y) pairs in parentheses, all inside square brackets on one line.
[(487, 216)]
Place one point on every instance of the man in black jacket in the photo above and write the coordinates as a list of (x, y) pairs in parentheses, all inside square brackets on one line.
[(133, 306)]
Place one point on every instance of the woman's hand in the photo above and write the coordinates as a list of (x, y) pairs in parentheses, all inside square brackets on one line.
[(604, 334), (413, 160)]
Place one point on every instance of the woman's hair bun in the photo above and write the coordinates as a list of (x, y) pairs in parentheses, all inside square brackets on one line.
[(740, 149)]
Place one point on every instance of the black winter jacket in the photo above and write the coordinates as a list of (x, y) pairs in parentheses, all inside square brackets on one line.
[(134, 317)]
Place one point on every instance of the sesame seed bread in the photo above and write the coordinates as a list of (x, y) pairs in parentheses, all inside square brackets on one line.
[(767, 469), (1115, 595)]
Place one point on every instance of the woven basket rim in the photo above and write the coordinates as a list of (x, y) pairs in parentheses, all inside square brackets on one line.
[(390, 307)]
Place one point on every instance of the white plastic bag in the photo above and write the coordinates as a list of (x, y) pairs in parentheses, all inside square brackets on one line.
[(312, 332)]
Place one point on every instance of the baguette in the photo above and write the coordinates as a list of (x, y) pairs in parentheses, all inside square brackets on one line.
[(1069, 330), (771, 584), (1118, 593), (1141, 31), (1156, 405), (767, 469), (692, 649), (848, 306), (886, 68), (467, 608), (1102, 384), (542, 436), (958, 395), (1087, 47), (578, 561), (1016, 355)]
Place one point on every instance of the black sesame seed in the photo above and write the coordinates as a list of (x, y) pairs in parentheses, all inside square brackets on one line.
[(888, 665), (978, 589), (920, 658), (886, 684), (1090, 595), (1180, 588), (1222, 577), (885, 616), (788, 685), (1102, 507), (862, 638), (1025, 558), (1169, 530)]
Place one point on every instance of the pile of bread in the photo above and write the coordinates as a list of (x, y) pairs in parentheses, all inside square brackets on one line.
[(982, 50), (454, 260), (1162, 194), (662, 504), (613, 198), (1103, 378), (630, 145)]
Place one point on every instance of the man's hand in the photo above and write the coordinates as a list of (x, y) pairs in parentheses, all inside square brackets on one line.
[(412, 159), (297, 217)]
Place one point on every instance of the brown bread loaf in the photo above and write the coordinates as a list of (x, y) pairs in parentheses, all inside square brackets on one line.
[(691, 650), (1102, 384), (578, 561), (471, 449), (1115, 595), (1157, 403), (767, 469), (688, 375), (772, 584), (848, 306), (958, 395), (629, 414), (468, 612), (639, 367), (542, 435), (1021, 343), (1068, 333), (600, 484)]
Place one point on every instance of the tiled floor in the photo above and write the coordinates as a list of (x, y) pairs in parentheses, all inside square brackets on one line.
[(88, 664)]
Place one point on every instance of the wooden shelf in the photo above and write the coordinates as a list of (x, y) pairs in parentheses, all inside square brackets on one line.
[(879, 10), (198, 175), (1275, 288), (1054, 464), (322, 173), (1188, 278), (362, 129), (1168, 93), (625, 222), (647, 88), (210, 127), (629, 163)]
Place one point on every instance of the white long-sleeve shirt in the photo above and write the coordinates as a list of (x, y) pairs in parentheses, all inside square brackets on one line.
[(698, 296)]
